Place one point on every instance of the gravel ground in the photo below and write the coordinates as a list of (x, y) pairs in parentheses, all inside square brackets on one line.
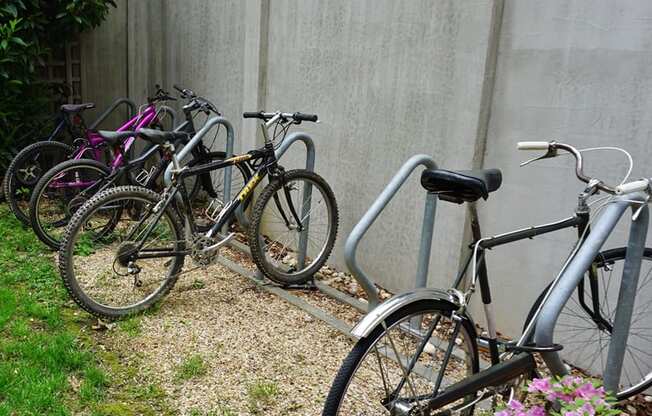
[(260, 355)]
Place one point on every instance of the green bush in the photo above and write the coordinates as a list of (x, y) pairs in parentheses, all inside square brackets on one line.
[(29, 30)]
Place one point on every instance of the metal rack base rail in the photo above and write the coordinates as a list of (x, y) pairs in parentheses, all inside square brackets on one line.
[(367, 220)]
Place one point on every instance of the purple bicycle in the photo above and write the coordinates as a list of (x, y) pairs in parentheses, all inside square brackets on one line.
[(32, 162)]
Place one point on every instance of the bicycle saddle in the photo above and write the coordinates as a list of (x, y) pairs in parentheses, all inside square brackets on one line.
[(76, 108), (115, 137), (461, 185), (161, 137)]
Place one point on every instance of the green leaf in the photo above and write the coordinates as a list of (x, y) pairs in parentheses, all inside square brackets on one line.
[(11, 9), (4, 44), (19, 41)]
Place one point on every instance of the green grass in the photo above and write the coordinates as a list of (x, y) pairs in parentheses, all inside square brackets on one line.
[(260, 395), (49, 363), (192, 367)]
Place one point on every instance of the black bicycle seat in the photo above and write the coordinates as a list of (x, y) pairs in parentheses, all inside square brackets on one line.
[(461, 185), (76, 108), (161, 137), (115, 137)]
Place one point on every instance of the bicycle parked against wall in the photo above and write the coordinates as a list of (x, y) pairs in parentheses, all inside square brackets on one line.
[(417, 353), (126, 266), (67, 186), (33, 161)]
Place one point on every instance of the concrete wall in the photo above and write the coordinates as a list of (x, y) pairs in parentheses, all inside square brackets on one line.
[(390, 79), (104, 66), (574, 71)]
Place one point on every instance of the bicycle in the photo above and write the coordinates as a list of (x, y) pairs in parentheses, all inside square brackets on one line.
[(33, 161), (144, 253), (418, 353), (68, 185)]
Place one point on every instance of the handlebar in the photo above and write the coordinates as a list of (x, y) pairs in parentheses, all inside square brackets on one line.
[(297, 117), (185, 92), (551, 149)]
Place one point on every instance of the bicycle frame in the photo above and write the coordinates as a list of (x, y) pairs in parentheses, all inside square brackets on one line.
[(95, 142), (561, 289), (177, 188)]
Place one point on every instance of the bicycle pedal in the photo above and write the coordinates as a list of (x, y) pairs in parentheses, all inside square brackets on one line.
[(144, 175)]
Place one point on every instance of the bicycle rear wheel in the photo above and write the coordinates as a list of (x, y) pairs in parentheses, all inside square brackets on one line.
[(26, 169), (297, 210), (402, 363), (585, 331), (96, 258)]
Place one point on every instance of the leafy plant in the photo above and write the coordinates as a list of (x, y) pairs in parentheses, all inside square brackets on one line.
[(29, 31), (573, 396)]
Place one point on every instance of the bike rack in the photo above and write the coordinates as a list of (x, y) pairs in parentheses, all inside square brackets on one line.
[(164, 109), (130, 104), (229, 152), (367, 220)]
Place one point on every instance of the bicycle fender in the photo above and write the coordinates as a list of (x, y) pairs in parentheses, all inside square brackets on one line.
[(378, 315)]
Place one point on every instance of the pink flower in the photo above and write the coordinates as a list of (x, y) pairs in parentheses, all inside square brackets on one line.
[(588, 409), (587, 391), (515, 405), (555, 395), (540, 385), (503, 413), (536, 411)]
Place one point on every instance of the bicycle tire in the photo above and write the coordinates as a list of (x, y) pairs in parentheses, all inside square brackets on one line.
[(603, 258), (11, 180), (354, 359), (67, 269), (256, 232), (37, 194)]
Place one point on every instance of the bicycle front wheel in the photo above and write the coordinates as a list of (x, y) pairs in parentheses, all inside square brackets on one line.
[(293, 227), (404, 362), (584, 326), (60, 192), (118, 256)]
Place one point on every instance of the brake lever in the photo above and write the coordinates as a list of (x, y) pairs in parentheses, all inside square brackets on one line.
[(552, 152)]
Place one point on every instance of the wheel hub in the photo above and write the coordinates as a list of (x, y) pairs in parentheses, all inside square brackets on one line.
[(75, 204), (29, 174), (125, 253)]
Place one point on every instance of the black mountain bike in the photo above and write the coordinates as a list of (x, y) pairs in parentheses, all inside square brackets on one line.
[(52, 205), (125, 248)]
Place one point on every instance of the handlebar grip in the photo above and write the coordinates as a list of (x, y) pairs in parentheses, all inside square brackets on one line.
[(178, 88), (252, 114), (533, 146), (305, 117), (634, 186)]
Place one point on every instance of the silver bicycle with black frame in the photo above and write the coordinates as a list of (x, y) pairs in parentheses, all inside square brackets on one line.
[(126, 267), (417, 353)]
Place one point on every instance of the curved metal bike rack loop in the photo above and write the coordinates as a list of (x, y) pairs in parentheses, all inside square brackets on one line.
[(164, 109), (367, 220), (130, 104), (195, 141)]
